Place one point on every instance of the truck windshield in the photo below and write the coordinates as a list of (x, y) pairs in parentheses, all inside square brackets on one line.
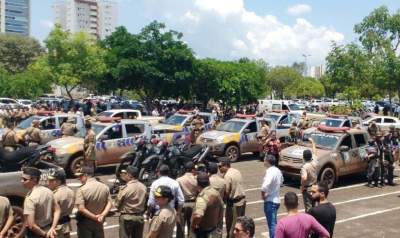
[(231, 126), (331, 122), (175, 120), (324, 140), (294, 107), (27, 122)]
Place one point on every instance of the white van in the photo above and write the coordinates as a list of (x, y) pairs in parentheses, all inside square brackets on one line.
[(268, 105)]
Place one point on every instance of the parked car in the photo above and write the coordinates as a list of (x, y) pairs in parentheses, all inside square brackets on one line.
[(383, 122)]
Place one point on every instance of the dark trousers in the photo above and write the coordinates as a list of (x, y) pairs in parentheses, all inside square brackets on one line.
[(131, 226), (307, 199), (389, 174), (90, 229), (186, 216), (231, 214)]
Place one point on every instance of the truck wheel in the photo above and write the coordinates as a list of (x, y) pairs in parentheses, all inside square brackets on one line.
[(328, 175), (75, 164), (18, 228), (232, 152)]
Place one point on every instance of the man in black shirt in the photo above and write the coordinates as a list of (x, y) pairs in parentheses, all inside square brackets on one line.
[(325, 212)]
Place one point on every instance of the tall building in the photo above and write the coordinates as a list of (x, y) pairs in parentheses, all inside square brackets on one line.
[(96, 17), (317, 71), (15, 17)]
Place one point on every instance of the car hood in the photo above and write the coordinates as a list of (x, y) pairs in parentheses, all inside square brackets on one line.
[(162, 126), (215, 134), (296, 151), (65, 142)]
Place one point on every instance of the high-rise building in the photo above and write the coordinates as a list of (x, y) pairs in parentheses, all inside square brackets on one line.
[(15, 17), (317, 71), (96, 17)]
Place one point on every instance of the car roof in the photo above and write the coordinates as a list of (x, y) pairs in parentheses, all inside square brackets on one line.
[(241, 120), (124, 121), (121, 110)]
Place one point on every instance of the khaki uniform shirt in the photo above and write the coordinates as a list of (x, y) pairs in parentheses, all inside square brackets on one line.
[(65, 197), (68, 129), (218, 183), (234, 188), (10, 138), (34, 134), (164, 222), (94, 195), (131, 199), (264, 132), (39, 202), (5, 211), (188, 184), (89, 145), (210, 206), (197, 123), (309, 170)]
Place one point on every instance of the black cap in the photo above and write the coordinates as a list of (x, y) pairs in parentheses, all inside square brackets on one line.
[(32, 172), (163, 192), (85, 170), (307, 155), (189, 166), (58, 175), (202, 178), (133, 171), (213, 167), (224, 161)]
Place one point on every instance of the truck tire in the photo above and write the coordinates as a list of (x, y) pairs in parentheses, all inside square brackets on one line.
[(74, 164), (328, 175), (18, 228), (232, 152)]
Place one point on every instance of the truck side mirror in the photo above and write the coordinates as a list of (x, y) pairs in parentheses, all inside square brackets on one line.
[(344, 148)]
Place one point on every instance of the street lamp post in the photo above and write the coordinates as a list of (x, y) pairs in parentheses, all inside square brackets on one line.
[(305, 62)]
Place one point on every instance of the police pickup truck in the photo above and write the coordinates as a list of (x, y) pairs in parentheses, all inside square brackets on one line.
[(114, 137), (338, 151), (50, 124)]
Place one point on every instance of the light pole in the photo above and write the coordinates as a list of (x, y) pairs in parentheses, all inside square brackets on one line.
[(305, 62)]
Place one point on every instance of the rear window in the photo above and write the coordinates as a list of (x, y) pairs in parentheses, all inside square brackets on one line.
[(134, 129), (360, 140), (388, 120)]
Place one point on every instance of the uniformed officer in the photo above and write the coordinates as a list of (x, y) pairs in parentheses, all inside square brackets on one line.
[(262, 137), (6, 216), (94, 202), (216, 180), (89, 145), (373, 163), (234, 194), (380, 147), (32, 134), (41, 211), (388, 161), (10, 139), (208, 210), (373, 129), (188, 184), (130, 202), (65, 198), (303, 123), (68, 128), (197, 124), (163, 222), (308, 178), (293, 132)]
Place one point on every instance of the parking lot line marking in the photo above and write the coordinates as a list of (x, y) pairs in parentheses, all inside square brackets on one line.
[(340, 203)]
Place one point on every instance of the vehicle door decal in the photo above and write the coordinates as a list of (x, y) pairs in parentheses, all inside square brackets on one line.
[(101, 145)]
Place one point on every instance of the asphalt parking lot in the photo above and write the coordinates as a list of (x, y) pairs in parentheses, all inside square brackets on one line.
[(361, 211)]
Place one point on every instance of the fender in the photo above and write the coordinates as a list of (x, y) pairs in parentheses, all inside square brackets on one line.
[(149, 159)]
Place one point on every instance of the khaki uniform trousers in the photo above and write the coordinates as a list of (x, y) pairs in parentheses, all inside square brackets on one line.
[(131, 226), (231, 215), (185, 218)]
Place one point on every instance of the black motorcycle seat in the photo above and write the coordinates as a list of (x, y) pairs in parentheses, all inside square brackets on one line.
[(192, 151), (16, 156)]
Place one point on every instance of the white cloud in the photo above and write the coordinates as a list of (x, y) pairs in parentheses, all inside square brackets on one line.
[(225, 29), (47, 24), (299, 9)]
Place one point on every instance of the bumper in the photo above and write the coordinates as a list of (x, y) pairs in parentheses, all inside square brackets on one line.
[(215, 149), (289, 170)]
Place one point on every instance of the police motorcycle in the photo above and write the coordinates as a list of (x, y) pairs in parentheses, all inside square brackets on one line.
[(25, 157), (175, 156)]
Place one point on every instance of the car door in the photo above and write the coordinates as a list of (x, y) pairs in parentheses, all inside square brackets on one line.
[(108, 152), (248, 138), (361, 163), (349, 158), (48, 129), (387, 122)]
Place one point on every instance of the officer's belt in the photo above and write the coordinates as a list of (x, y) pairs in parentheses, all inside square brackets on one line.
[(63, 220), (190, 200), (133, 213)]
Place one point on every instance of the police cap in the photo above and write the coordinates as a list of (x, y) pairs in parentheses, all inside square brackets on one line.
[(32, 172), (163, 192)]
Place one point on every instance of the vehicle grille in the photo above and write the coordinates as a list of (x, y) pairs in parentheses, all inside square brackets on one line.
[(292, 160)]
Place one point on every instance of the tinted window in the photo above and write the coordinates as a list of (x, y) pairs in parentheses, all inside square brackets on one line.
[(347, 123), (48, 124), (388, 120), (115, 132), (120, 115), (252, 127), (131, 115), (378, 120), (360, 140), (134, 129), (347, 141)]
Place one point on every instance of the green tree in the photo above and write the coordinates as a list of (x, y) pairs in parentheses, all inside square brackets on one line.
[(305, 87), (73, 60), (17, 52), (300, 67), (279, 78)]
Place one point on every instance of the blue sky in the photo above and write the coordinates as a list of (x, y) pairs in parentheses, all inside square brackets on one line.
[(278, 31)]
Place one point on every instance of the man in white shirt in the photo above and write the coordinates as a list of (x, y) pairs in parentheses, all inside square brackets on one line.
[(164, 180), (272, 183)]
